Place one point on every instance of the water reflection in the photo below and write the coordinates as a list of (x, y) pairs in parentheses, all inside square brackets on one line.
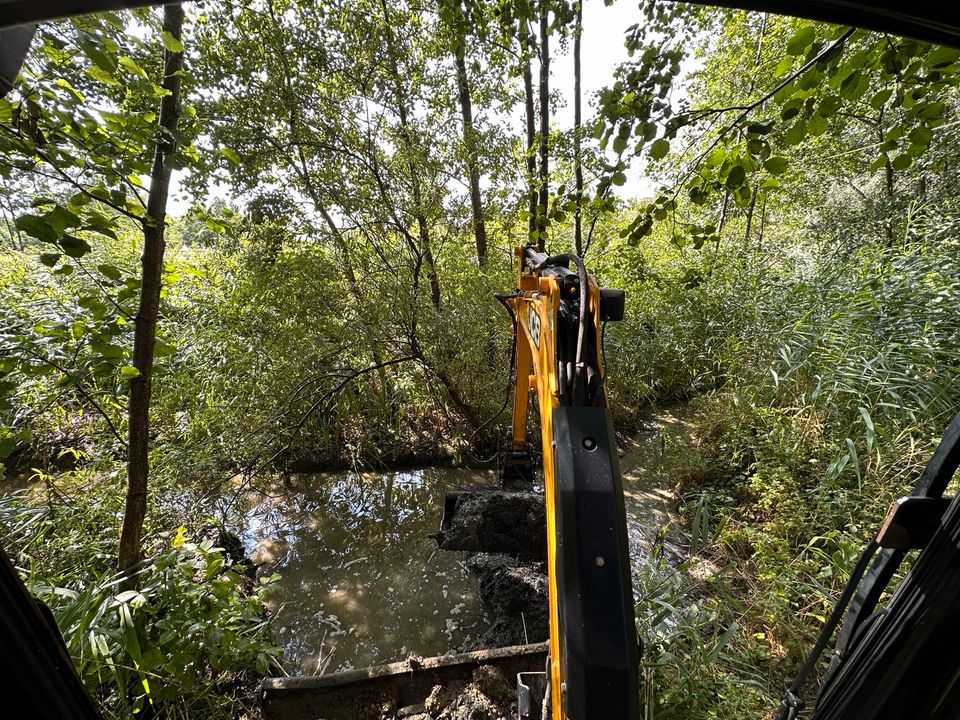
[(362, 583)]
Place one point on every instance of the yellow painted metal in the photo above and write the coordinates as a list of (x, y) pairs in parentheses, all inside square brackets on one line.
[(535, 308)]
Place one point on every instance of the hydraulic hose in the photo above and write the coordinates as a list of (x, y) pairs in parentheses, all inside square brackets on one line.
[(536, 261)]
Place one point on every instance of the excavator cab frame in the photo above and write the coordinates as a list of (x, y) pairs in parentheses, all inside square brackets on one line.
[(593, 648)]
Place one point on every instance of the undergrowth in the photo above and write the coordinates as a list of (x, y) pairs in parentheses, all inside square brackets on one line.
[(791, 459), (192, 640)]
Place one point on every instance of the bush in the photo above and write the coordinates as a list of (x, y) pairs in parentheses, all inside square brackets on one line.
[(192, 640)]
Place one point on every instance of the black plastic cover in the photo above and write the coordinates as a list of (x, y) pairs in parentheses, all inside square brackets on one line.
[(613, 303)]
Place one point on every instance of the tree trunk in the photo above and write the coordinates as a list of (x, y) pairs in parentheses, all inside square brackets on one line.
[(891, 190), (544, 124), (470, 146), (402, 112), (422, 226), (750, 210), (145, 324), (577, 121), (763, 223), (531, 135)]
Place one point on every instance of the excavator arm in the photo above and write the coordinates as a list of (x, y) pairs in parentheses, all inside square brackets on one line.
[(594, 655)]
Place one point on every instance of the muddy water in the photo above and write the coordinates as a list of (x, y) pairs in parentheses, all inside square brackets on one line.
[(647, 495), (362, 583)]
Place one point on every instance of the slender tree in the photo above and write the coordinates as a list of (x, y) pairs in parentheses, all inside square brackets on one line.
[(544, 169), (577, 123), (145, 333), (403, 114), (470, 147), (526, 50)]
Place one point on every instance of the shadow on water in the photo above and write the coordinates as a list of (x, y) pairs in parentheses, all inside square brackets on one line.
[(361, 581)]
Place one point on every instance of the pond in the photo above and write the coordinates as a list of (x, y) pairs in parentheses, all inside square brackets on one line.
[(362, 583)]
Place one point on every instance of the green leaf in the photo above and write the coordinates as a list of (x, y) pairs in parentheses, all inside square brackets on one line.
[(783, 66), (810, 80), (61, 82), (796, 134), (871, 430), (854, 85), (880, 99), (758, 147), (659, 149), (760, 128), (829, 106), (165, 349), (618, 179), (817, 126), (716, 158), (171, 43), (775, 165), (940, 56), (789, 112), (101, 224), (36, 227), (801, 40), (131, 66), (61, 219), (102, 75), (852, 452), (736, 177), (129, 371), (235, 159), (109, 271), (902, 161), (102, 60), (109, 350), (50, 259), (74, 246), (8, 443)]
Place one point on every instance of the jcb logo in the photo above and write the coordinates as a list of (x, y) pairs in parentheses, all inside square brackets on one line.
[(533, 324)]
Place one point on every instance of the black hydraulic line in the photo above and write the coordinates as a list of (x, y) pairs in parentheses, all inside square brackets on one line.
[(582, 323), (536, 261)]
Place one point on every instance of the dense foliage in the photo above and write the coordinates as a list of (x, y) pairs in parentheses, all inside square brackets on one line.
[(794, 277)]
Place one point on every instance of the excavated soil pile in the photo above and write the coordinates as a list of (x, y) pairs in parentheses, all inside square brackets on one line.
[(488, 696)]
